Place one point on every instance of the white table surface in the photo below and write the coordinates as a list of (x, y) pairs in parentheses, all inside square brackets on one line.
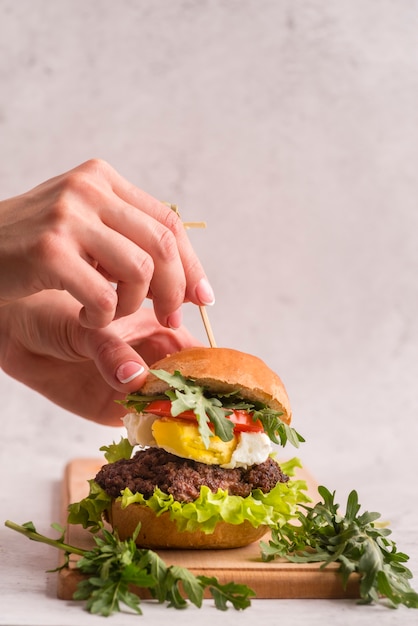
[(33, 453)]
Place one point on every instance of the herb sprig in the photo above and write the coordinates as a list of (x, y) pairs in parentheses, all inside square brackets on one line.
[(112, 566), (355, 541), (186, 396)]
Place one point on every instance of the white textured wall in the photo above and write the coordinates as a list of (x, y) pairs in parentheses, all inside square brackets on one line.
[(292, 129)]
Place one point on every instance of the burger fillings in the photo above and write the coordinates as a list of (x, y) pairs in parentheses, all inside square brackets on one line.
[(205, 418)]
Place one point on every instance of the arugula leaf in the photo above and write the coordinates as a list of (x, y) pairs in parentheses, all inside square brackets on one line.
[(238, 595), (354, 541), (113, 568), (185, 396), (175, 575), (139, 401), (278, 431)]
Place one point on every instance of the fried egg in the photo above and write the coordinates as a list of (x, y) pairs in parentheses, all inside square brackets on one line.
[(183, 439)]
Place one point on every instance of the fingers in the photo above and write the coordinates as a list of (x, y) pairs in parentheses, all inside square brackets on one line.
[(178, 275), (123, 351), (89, 287), (141, 256), (198, 289), (142, 244), (121, 261), (92, 228), (83, 370), (119, 364)]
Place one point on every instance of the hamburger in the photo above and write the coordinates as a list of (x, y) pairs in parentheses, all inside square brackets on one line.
[(204, 473)]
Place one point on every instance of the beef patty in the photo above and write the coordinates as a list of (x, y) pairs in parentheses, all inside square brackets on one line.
[(182, 478)]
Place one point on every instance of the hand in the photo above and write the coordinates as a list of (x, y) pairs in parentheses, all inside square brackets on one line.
[(82, 229), (43, 346)]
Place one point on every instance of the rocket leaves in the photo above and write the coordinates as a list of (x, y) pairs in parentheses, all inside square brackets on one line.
[(355, 541), (112, 568), (213, 410), (186, 396)]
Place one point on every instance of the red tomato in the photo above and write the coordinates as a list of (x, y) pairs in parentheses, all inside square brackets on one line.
[(242, 420), (162, 408)]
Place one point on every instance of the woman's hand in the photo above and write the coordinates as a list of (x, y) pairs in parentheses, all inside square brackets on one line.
[(89, 226), (43, 346)]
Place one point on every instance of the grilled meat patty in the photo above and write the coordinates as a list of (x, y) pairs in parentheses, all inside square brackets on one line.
[(183, 478)]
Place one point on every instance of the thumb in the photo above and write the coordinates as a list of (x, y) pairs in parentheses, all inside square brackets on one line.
[(118, 363)]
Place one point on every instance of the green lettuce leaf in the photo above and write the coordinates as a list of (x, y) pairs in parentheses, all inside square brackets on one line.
[(89, 511), (116, 451), (275, 508)]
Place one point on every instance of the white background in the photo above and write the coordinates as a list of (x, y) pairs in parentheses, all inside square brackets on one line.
[(291, 128)]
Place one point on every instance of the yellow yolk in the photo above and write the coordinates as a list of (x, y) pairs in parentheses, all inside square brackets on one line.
[(183, 439)]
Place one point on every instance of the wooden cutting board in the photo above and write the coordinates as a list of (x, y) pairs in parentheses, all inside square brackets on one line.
[(276, 579)]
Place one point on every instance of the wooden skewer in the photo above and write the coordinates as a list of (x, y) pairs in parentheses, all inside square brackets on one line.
[(194, 224), (175, 208), (202, 309), (208, 327)]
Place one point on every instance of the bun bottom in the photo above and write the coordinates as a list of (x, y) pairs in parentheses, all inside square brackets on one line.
[(160, 532)]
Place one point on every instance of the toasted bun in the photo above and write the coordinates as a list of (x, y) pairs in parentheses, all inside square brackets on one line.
[(159, 532), (224, 370)]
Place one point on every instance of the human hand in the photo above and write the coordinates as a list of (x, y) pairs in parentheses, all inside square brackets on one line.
[(89, 227), (43, 346)]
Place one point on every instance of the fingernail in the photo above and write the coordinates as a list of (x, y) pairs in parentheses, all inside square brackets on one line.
[(205, 293), (174, 319), (128, 371)]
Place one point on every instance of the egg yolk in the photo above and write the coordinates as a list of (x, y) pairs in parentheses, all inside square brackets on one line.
[(183, 439)]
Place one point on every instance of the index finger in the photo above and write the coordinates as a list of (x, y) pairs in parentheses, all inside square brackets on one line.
[(198, 289)]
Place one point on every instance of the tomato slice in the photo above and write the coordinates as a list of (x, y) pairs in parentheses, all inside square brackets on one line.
[(162, 408), (242, 420)]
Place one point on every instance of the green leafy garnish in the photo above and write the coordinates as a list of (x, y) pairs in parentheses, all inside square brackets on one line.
[(112, 567), (238, 595), (116, 451), (354, 541), (277, 430), (90, 510), (185, 395)]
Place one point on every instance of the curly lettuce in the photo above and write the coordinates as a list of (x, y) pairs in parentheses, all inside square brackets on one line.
[(273, 509)]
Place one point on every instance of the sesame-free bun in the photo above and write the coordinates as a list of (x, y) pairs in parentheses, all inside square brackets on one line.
[(159, 532), (224, 370)]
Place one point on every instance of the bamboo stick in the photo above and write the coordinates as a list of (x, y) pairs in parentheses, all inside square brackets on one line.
[(202, 309), (207, 326)]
